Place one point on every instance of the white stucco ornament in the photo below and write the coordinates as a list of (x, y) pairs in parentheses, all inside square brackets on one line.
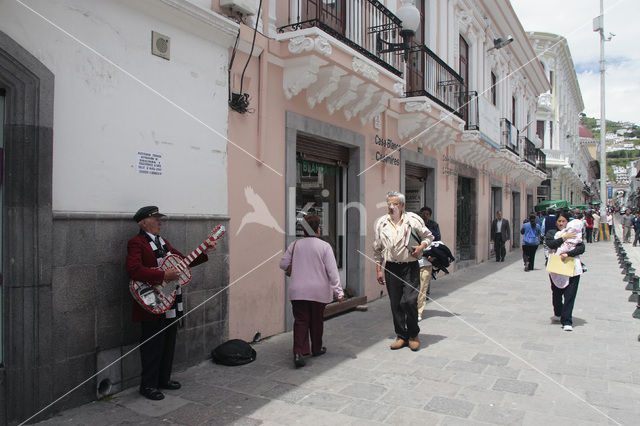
[(325, 85), (301, 44), (378, 104), (463, 18), (544, 101), (323, 46), (363, 98), (445, 117), (300, 73), (365, 69), (345, 93), (398, 89), (306, 44), (417, 106)]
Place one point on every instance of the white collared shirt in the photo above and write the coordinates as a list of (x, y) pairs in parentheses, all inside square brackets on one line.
[(390, 238)]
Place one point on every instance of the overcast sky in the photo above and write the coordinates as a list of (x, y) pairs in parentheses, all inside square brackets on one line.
[(573, 20)]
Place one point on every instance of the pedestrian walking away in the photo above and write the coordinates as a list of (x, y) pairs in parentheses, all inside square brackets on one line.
[(530, 240), (500, 234), (314, 281), (399, 240), (627, 222), (566, 242)]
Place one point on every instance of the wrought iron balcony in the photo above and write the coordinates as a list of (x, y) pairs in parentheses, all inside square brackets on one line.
[(356, 23), (468, 110), (509, 137), (541, 160), (529, 151), (428, 75)]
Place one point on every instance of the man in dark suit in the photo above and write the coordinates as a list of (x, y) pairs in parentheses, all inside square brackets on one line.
[(146, 251), (500, 234)]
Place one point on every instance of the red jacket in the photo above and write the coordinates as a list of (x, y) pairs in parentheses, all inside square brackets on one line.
[(140, 263)]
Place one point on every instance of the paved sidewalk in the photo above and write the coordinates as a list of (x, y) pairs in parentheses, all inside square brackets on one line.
[(489, 355)]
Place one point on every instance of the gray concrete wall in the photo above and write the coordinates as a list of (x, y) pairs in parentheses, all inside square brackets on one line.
[(91, 319)]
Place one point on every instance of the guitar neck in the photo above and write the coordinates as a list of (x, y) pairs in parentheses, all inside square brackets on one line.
[(194, 254)]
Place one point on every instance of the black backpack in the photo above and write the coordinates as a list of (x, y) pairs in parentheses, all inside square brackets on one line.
[(233, 352)]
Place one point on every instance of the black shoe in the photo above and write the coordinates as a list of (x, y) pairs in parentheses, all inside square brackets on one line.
[(322, 351), (171, 385), (298, 360), (151, 393)]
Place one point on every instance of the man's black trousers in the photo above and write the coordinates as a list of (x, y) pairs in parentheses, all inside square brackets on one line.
[(403, 285), (157, 354), (499, 248)]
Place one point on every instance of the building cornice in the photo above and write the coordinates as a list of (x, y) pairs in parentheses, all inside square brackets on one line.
[(192, 18), (556, 46)]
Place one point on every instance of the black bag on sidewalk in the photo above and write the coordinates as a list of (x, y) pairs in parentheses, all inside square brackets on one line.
[(233, 352)]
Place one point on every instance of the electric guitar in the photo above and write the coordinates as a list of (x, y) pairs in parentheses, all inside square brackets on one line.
[(158, 297)]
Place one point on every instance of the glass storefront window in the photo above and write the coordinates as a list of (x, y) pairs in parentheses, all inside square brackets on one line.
[(414, 194), (319, 190)]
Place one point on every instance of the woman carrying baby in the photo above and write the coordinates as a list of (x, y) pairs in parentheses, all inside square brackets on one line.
[(566, 242)]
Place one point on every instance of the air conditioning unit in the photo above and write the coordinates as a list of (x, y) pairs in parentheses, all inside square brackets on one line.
[(246, 7)]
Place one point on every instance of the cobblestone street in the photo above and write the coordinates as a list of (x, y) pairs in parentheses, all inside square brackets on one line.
[(489, 355)]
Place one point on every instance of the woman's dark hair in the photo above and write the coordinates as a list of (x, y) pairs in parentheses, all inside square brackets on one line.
[(314, 223), (563, 214)]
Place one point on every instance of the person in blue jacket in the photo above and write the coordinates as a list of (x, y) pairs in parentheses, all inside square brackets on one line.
[(530, 239)]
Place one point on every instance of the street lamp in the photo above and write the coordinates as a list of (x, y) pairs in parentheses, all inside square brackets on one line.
[(409, 17), (499, 43)]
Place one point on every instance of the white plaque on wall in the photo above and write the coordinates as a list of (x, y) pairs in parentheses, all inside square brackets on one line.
[(149, 163)]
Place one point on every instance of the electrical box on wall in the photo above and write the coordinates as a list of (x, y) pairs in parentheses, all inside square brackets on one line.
[(246, 7)]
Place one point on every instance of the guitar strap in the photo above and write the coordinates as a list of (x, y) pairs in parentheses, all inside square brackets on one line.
[(161, 251)]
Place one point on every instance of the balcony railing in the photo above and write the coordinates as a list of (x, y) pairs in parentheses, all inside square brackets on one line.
[(468, 110), (509, 136), (430, 76), (356, 23), (541, 160), (529, 151)]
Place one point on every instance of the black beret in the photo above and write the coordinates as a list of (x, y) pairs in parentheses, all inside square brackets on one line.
[(147, 211)]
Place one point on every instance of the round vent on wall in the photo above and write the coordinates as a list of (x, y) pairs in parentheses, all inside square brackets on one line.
[(160, 45)]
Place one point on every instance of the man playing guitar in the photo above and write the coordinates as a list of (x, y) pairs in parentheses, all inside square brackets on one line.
[(145, 252)]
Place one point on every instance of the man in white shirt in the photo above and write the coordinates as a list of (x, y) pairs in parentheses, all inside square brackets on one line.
[(596, 226), (400, 239)]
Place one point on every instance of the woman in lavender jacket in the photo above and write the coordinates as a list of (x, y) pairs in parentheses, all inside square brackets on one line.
[(314, 280)]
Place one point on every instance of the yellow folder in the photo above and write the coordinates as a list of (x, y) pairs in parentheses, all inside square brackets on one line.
[(567, 268)]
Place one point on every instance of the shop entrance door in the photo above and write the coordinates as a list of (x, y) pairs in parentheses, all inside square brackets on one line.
[(321, 183), (466, 227), (417, 190)]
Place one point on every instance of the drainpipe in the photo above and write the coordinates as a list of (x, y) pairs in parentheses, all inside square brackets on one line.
[(262, 92), (262, 104)]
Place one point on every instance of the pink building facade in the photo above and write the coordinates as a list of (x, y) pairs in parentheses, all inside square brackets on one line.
[(333, 127)]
